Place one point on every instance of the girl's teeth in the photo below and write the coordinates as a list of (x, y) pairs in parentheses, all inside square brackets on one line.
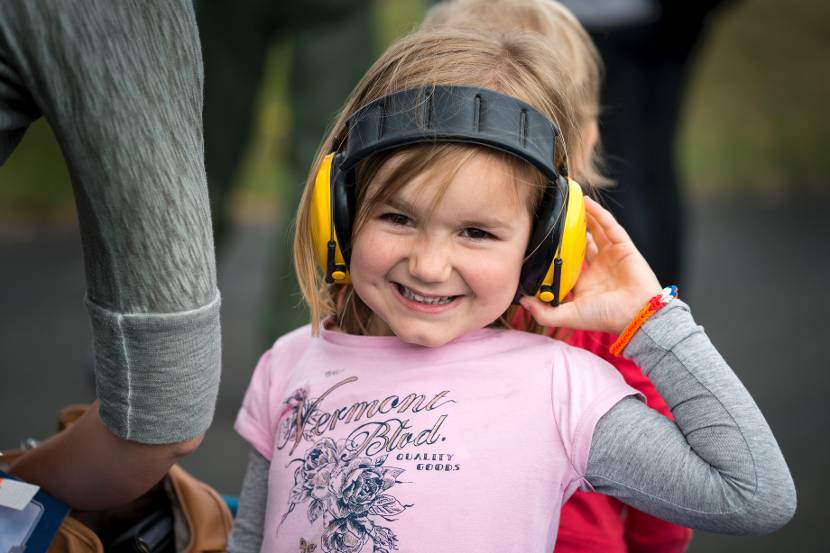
[(438, 300)]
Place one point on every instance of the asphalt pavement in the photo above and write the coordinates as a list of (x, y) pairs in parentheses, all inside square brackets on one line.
[(757, 274)]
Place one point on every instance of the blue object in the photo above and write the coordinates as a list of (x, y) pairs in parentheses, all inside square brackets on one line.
[(44, 511), (232, 503)]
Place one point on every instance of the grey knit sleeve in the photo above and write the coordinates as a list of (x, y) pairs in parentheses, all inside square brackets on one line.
[(120, 83), (249, 524), (719, 467)]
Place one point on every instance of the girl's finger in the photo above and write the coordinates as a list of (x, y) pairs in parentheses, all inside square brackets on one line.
[(565, 315), (612, 229), (595, 228), (591, 248)]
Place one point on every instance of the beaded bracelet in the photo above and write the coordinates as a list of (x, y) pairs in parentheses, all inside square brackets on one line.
[(651, 307)]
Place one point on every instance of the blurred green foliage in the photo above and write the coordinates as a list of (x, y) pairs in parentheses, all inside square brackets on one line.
[(756, 120), (34, 181), (262, 173), (261, 167)]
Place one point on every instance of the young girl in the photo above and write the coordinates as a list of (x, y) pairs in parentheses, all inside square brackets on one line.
[(589, 522), (408, 416)]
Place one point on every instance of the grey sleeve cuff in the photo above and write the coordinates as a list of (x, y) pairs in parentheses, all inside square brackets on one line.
[(157, 374)]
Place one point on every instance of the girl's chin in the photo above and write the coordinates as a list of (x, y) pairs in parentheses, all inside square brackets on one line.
[(427, 341), (427, 334)]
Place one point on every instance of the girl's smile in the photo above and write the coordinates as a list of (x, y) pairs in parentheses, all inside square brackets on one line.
[(442, 258), (422, 302)]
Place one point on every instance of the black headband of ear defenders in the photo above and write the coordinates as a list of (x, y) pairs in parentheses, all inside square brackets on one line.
[(464, 115)]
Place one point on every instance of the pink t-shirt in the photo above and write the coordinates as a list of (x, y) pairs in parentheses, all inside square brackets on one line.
[(377, 445)]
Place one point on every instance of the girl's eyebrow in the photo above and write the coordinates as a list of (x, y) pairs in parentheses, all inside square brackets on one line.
[(483, 221), (487, 223), (400, 204)]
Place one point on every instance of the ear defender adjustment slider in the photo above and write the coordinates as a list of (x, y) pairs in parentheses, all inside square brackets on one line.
[(549, 294), (546, 294), (334, 273)]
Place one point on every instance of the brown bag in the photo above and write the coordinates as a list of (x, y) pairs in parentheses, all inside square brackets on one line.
[(75, 537), (202, 520)]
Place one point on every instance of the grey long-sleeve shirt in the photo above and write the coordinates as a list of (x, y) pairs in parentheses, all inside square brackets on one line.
[(120, 83), (717, 468)]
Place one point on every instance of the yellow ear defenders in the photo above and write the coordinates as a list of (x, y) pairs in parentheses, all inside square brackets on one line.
[(563, 271), (468, 115), (323, 233)]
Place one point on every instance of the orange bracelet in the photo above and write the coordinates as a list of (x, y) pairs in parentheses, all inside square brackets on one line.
[(651, 307)]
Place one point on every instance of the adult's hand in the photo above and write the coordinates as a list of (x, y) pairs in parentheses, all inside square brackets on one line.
[(89, 468)]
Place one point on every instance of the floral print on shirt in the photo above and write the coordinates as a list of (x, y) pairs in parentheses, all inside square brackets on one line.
[(348, 494)]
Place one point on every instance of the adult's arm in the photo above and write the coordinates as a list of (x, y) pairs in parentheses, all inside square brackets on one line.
[(120, 83), (719, 467)]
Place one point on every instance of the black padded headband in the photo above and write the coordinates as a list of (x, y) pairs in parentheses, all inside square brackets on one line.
[(457, 114), (452, 114)]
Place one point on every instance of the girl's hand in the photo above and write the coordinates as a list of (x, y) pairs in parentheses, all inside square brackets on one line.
[(611, 290)]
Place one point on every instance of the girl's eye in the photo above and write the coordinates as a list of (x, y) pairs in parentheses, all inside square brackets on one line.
[(396, 219), (476, 234)]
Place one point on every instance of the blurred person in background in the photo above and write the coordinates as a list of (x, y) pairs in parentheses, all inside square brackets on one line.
[(120, 84), (589, 522), (647, 47), (332, 46)]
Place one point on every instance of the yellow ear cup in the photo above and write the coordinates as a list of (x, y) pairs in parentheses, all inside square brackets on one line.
[(322, 228), (572, 249)]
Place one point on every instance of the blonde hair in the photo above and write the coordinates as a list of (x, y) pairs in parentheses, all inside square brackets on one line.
[(575, 51), (512, 63)]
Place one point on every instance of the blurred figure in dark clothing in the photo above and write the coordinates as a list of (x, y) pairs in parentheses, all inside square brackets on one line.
[(647, 47), (333, 45)]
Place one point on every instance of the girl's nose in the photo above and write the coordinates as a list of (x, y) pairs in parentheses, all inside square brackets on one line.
[(429, 261)]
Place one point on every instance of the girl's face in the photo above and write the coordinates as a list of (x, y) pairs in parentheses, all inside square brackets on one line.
[(433, 271)]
